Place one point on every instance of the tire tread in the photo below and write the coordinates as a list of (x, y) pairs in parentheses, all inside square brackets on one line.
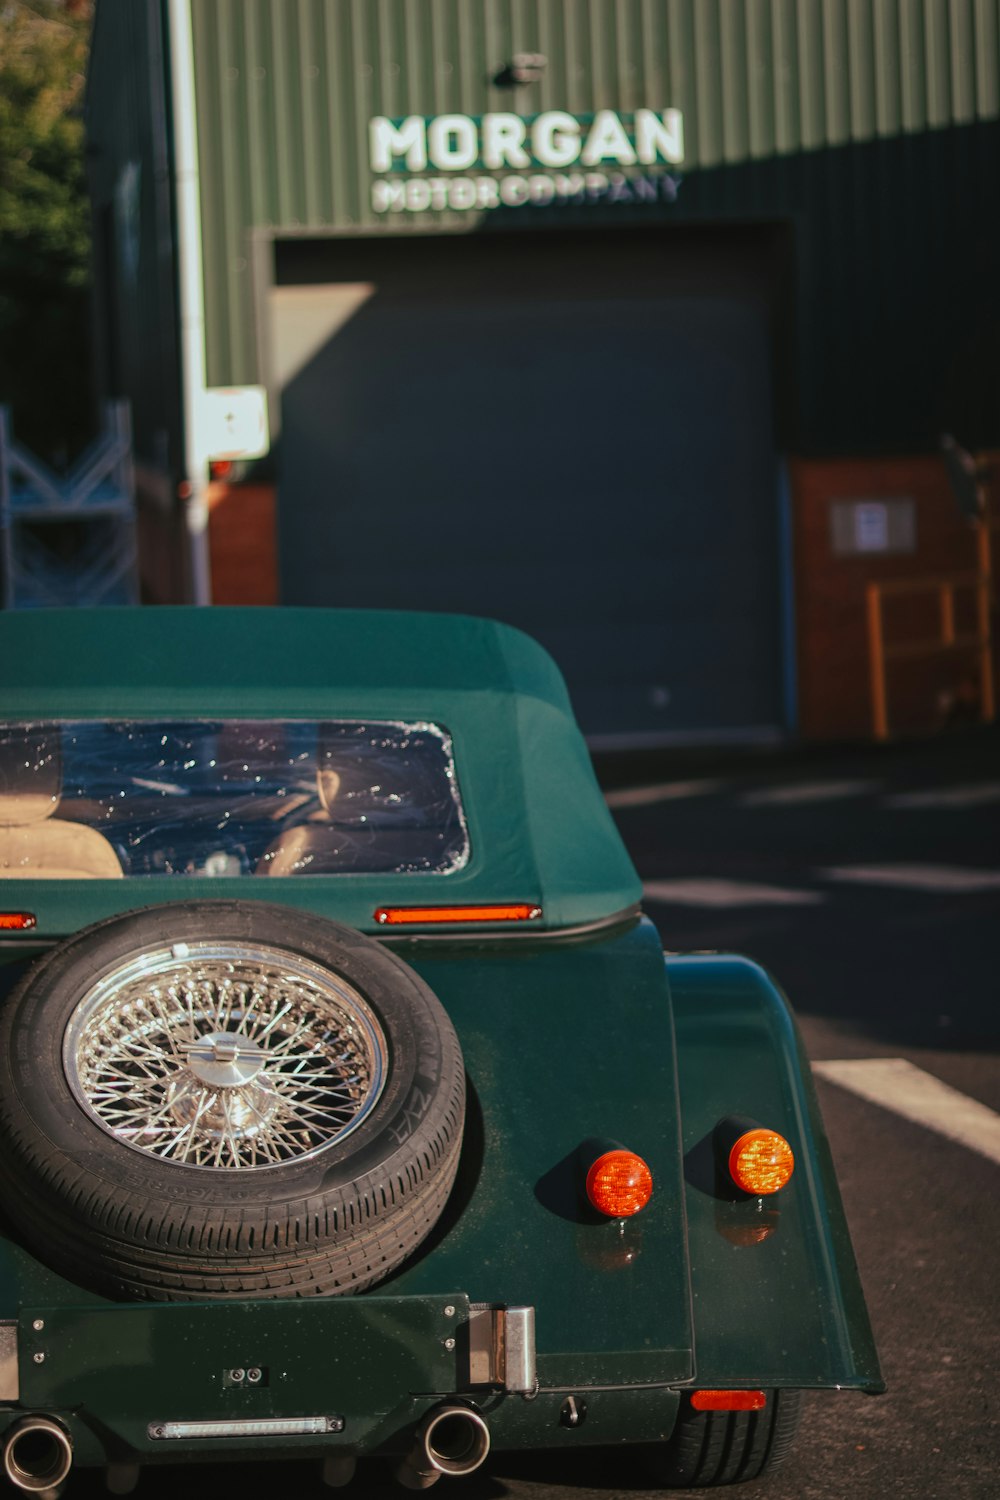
[(709, 1448), (337, 1234)]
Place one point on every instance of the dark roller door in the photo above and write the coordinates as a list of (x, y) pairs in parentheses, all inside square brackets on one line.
[(562, 439)]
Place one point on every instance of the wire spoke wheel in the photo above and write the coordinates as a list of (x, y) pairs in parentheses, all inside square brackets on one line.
[(225, 1056), (214, 1099)]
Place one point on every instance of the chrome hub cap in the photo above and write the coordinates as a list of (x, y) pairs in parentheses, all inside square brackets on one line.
[(224, 1059), (221, 1088), (225, 1056)]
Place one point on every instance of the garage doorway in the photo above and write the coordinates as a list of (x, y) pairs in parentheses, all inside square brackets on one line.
[(570, 432)]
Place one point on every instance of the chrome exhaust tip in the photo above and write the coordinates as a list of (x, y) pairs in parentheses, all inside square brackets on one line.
[(37, 1456), (450, 1440)]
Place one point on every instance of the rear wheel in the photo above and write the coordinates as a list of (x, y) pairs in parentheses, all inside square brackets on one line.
[(727, 1447), (215, 1099)]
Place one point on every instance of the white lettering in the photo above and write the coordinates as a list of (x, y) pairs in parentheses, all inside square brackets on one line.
[(387, 194), (513, 191), (385, 142), (503, 142), (439, 191), (452, 142), (607, 141), (571, 186), (555, 139), (663, 134), (463, 193), (418, 194)]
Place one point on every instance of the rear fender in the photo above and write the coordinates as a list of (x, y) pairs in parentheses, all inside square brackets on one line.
[(776, 1295)]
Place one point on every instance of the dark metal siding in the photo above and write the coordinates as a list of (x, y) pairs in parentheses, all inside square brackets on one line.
[(897, 312), (136, 317)]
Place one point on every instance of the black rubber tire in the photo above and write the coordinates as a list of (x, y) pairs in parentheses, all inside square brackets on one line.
[(132, 1225), (726, 1447)]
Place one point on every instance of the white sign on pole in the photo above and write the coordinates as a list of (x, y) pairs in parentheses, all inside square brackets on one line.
[(235, 422)]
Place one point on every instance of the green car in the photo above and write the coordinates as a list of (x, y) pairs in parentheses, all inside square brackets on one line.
[(348, 1105)]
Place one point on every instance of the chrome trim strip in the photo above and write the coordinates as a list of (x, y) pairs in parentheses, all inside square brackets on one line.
[(250, 1427)]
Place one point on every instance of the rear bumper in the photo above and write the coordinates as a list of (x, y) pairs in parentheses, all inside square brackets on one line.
[(167, 1383)]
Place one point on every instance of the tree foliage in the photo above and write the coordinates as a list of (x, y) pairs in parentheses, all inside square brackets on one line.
[(45, 365)]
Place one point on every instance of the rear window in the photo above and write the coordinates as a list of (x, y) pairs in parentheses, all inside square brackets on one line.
[(228, 797)]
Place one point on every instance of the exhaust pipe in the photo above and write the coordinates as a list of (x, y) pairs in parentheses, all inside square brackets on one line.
[(37, 1456), (449, 1440)]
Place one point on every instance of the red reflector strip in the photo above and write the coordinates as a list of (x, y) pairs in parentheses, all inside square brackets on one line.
[(17, 921), (728, 1400), (406, 916)]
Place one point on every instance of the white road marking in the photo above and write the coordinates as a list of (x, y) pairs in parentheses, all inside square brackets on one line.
[(941, 878), (899, 1086), (800, 793), (709, 892), (948, 797), (663, 791)]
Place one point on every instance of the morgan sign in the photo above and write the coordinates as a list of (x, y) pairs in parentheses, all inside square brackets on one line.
[(544, 157)]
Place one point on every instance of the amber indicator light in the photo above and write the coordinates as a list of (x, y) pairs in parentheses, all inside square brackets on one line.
[(406, 916), (728, 1400), (619, 1184), (17, 921), (761, 1162)]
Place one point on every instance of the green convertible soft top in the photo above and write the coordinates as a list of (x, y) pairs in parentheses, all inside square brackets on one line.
[(539, 828)]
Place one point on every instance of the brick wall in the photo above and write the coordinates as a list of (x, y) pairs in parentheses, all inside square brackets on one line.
[(241, 531), (832, 641)]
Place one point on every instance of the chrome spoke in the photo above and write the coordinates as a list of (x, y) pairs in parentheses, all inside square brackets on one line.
[(230, 1057)]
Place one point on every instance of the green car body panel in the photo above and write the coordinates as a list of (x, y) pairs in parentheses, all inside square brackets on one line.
[(573, 1029)]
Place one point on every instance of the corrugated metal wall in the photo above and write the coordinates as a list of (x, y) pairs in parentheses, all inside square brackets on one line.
[(286, 89), (288, 86)]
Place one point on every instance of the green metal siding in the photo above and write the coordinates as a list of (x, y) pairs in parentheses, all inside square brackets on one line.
[(286, 89), (289, 85)]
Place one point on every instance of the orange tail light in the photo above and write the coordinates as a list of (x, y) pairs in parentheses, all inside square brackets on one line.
[(407, 916), (619, 1183), (761, 1162)]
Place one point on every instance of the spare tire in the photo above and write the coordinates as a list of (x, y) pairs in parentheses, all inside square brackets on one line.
[(226, 1099)]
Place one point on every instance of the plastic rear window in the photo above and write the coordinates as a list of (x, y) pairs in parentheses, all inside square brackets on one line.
[(228, 797)]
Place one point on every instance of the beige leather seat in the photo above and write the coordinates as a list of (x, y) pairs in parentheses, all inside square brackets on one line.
[(297, 849), (35, 845)]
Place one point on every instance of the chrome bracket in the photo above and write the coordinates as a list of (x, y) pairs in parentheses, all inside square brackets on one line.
[(9, 1384), (502, 1347)]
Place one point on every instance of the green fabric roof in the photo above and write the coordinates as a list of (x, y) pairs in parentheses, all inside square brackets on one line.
[(539, 827)]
